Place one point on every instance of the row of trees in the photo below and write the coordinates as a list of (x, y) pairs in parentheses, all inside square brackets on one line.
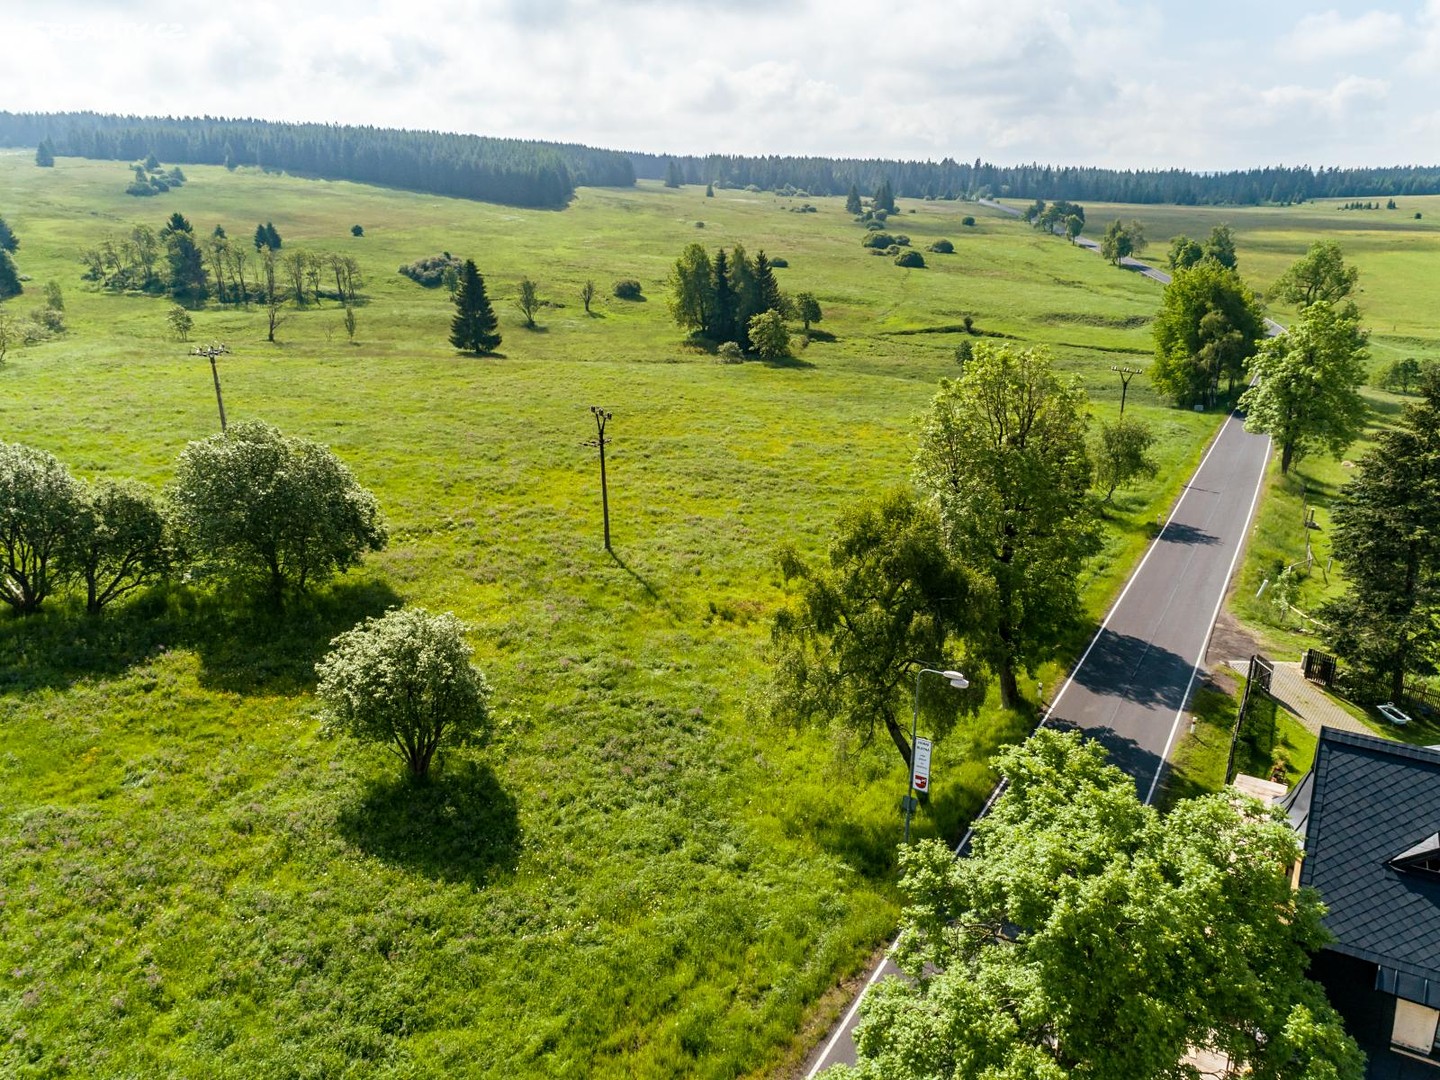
[(977, 561), (1058, 216), (175, 261), (1219, 246), (948, 179), (514, 171), (251, 506)]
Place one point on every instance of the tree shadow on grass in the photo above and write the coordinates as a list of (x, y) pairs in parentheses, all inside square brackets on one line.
[(261, 649), (462, 826), (787, 362), (246, 648)]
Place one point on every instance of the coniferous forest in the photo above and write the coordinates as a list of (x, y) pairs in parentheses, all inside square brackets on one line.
[(542, 174), (512, 171)]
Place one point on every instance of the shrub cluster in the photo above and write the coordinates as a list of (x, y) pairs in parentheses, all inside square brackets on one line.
[(431, 270), (627, 289), (883, 240), (153, 179), (942, 247)]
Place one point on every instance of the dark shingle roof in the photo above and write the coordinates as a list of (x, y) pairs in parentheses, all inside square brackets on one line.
[(1370, 800)]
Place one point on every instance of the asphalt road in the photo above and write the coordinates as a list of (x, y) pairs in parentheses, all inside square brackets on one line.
[(1132, 684)]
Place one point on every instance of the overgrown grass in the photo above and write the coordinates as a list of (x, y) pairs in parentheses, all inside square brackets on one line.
[(646, 875)]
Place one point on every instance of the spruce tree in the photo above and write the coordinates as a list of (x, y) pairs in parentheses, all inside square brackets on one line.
[(722, 288), (852, 201), (885, 197), (45, 154), (473, 327), (767, 289)]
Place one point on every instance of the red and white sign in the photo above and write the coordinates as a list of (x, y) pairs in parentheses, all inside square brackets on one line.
[(921, 780)]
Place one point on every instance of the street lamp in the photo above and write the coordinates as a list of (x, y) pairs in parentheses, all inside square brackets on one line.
[(959, 682)]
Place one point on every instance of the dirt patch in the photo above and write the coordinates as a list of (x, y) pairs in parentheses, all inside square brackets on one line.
[(1230, 641)]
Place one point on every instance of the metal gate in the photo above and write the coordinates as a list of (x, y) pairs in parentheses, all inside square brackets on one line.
[(1319, 667)]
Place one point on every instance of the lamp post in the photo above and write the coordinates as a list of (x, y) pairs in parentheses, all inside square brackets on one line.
[(959, 682), (210, 352)]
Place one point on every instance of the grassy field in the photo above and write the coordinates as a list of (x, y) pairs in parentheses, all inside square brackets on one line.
[(647, 875)]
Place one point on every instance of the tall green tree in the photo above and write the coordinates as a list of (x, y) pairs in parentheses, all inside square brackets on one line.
[(1002, 451), (1220, 246), (852, 201), (1122, 454), (1308, 394), (472, 328), (1121, 240), (807, 309), (45, 154), (1208, 326), (725, 322), (1184, 253), (527, 300), (1320, 275), (255, 505), (673, 177), (886, 597), (39, 500), (404, 681), (1089, 938), (691, 296), (118, 541), (8, 240), (767, 290), (1385, 531), (885, 197), (10, 284)]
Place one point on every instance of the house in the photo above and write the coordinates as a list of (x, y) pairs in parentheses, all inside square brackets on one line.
[(1369, 813)]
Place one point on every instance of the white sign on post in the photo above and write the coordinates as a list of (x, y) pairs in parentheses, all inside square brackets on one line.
[(921, 780)]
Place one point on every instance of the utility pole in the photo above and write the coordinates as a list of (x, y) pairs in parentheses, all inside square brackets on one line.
[(210, 352), (601, 417), (1126, 374)]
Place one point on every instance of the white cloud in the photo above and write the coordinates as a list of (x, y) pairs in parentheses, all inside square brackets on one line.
[(1330, 35), (1109, 82)]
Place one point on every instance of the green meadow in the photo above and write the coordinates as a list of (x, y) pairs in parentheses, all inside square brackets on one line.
[(646, 874)]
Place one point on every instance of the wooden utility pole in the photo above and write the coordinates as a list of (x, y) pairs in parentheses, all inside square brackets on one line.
[(1126, 374), (601, 418), (210, 352)]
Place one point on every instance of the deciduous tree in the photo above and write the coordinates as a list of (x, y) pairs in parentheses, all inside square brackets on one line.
[(768, 335), (472, 329), (527, 299), (1320, 275), (807, 309), (1184, 253), (1209, 324), (1122, 454), (256, 505), (38, 503), (1002, 451), (587, 294), (691, 294), (1121, 240), (117, 542), (887, 595), (1089, 937), (404, 681), (1220, 246), (1308, 394)]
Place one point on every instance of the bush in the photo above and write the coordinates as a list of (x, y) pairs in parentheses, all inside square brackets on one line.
[(627, 289), (405, 681), (942, 247), (729, 353), (779, 261), (967, 220), (877, 240), (257, 505), (910, 258), (430, 271), (769, 335), (357, 230)]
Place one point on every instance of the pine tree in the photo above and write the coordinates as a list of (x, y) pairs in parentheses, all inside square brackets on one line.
[(723, 326), (852, 201), (767, 289), (885, 197), (9, 276), (473, 327), (272, 237), (672, 175), (45, 154), (262, 239)]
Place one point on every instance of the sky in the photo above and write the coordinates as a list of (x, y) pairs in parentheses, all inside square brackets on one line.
[(1118, 83)]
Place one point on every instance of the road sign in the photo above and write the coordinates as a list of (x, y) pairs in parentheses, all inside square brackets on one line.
[(920, 781)]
